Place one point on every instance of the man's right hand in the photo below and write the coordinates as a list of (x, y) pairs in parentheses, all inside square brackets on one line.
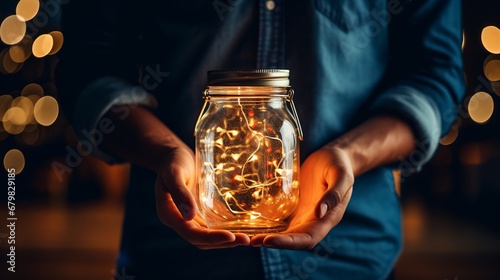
[(141, 138), (176, 206)]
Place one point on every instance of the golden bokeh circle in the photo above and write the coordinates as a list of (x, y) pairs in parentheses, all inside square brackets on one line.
[(12, 30), (481, 107), (32, 89), (15, 115), (492, 70), (14, 159), (58, 38), (490, 37), (25, 104), (13, 120), (5, 101), (42, 45), (8, 66), (46, 110), (449, 138), (27, 9), (22, 51)]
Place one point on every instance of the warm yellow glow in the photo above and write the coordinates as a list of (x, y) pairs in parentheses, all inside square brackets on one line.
[(449, 138), (5, 101), (46, 110), (463, 40), (58, 38), (25, 104), (34, 99), (27, 9), (8, 65), (12, 30), (472, 154), (414, 222), (13, 128), (42, 45), (481, 107), (492, 70), (14, 159), (17, 54), (21, 51), (490, 36), (32, 89), (496, 87), (16, 116), (13, 120)]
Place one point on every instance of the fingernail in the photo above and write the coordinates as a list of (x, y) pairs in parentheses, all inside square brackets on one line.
[(185, 211), (323, 210)]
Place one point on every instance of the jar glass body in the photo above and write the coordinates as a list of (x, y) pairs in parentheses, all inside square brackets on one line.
[(247, 158)]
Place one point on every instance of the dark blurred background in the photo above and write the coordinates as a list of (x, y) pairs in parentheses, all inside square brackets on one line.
[(69, 218)]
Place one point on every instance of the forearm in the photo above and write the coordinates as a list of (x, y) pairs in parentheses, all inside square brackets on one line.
[(139, 137), (379, 140)]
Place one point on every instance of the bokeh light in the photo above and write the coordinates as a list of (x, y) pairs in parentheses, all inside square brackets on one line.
[(58, 38), (15, 115), (27, 9), (490, 36), (492, 70), (449, 138), (25, 104), (496, 87), (5, 101), (42, 45), (22, 51), (7, 65), (46, 110), (12, 30), (14, 159), (481, 107), (32, 89), (13, 120)]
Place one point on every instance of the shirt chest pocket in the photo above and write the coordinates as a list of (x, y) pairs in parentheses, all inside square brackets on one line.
[(349, 14)]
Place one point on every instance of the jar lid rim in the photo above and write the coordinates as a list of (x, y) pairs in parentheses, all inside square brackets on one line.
[(252, 77)]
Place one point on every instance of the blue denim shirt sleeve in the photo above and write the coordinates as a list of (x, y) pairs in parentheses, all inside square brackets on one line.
[(96, 99), (425, 78)]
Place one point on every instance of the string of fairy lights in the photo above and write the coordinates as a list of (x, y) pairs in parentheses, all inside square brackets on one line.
[(248, 171), (25, 112)]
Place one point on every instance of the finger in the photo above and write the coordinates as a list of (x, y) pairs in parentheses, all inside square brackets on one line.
[(333, 214), (192, 231), (336, 193), (241, 240), (173, 181)]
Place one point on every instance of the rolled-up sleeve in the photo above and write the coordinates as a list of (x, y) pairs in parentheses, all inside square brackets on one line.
[(424, 82), (97, 98)]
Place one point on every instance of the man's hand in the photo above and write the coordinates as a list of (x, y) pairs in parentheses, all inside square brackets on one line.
[(327, 177), (325, 189), (140, 137), (176, 206)]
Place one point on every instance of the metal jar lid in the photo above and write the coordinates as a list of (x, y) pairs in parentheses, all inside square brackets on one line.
[(257, 77)]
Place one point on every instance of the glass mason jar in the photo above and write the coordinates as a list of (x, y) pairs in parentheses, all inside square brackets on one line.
[(247, 151)]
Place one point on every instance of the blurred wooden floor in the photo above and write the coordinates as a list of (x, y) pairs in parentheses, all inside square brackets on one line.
[(80, 243)]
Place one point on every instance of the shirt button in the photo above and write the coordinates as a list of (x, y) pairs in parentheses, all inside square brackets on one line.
[(270, 5)]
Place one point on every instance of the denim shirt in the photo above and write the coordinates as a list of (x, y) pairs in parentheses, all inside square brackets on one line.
[(348, 59)]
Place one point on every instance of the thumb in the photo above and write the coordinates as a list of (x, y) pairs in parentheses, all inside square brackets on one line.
[(337, 195), (174, 183)]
